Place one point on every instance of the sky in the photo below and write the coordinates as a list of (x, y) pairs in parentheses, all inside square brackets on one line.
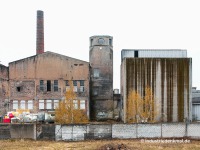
[(133, 24)]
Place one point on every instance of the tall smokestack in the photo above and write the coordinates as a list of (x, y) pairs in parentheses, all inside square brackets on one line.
[(40, 33)]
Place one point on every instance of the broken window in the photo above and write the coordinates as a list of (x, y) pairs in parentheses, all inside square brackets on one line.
[(30, 104), (55, 85), (75, 85), (82, 104), (96, 73), (81, 85), (15, 104), (48, 85), (48, 104), (22, 104), (41, 104), (136, 54), (41, 85)]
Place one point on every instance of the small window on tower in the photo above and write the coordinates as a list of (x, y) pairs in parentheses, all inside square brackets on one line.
[(18, 89), (96, 73), (110, 42), (91, 42)]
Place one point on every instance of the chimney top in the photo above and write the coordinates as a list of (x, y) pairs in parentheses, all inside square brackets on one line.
[(40, 33)]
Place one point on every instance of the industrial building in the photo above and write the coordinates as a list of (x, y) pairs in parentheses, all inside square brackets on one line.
[(39, 82), (195, 104), (169, 75)]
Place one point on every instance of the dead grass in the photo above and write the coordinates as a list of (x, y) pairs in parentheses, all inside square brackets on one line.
[(134, 144)]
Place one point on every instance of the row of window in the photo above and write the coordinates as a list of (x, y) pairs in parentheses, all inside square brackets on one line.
[(67, 84), (45, 104)]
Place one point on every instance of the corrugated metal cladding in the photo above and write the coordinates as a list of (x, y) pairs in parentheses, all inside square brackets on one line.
[(196, 112), (153, 53), (170, 81)]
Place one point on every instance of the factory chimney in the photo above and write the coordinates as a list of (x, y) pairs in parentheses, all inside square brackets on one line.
[(40, 33)]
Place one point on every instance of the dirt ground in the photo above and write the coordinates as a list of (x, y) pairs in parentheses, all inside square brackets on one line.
[(135, 144)]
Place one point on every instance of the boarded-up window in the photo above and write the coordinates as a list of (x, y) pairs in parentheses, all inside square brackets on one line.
[(15, 104), (55, 85), (82, 104), (48, 85), (41, 85), (41, 104), (30, 104), (48, 104)]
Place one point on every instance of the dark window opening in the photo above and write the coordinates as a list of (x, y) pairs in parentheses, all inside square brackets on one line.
[(55, 85), (136, 54), (75, 83), (110, 42), (18, 89), (91, 42), (41, 85), (48, 85), (66, 83), (75, 64), (81, 82)]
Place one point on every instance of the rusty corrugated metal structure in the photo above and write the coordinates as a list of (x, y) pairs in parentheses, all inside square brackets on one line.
[(169, 77)]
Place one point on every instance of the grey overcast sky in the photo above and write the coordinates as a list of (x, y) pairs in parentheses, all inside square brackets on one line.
[(134, 24)]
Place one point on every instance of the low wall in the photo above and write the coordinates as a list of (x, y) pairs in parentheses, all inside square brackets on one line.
[(99, 131)]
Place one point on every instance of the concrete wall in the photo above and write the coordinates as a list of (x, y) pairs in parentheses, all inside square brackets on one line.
[(169, 80), (20, 131), (28, 72), (97, 131)]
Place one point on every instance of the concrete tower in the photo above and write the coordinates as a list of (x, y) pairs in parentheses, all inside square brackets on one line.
[(40, 33), (101, 77)]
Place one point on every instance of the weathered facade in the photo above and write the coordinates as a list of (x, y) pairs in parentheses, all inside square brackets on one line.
[(101, 75), (168, 78), (39, 82), (4, 103)]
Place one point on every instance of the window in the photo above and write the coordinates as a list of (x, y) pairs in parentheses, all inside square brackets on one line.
[(41, 104), (95, 91), (30, 104), (110, 42), (136, 54), (22, 104), (18, 89), (56, 102), (75, 103), (96, 73), (66, 83), (48, 85), (81, 85), (55, 85), (15, 104), (75, 86), (41, 85), (82, 104), (91, 42), (48, 104)]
